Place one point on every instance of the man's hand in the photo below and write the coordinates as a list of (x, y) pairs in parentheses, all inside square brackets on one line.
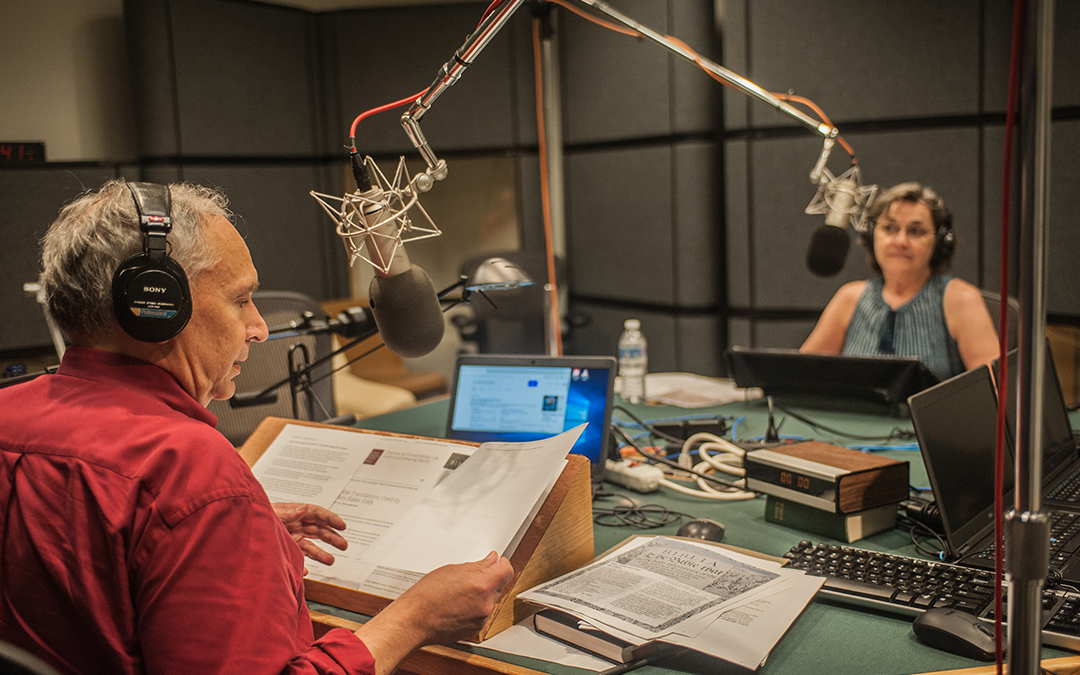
[(446, 605), (306, 522)]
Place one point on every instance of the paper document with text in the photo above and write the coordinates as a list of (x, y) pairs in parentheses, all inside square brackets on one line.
[(411, 504), (713, 600)]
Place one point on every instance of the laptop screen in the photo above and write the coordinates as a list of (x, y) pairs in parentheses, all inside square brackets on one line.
[(956, 422), (1059, 446), (524, 398)]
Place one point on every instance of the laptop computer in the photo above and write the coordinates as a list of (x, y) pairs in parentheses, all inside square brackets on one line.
[(1061, 464), (524, 398), (956, 424)]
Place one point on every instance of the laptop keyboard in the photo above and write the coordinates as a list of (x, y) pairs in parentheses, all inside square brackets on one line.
[(1068, 490), (909, 586), (1064, 540)]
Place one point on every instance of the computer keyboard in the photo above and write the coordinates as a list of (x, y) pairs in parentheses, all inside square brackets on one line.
[(909, 586), (1067, 490)]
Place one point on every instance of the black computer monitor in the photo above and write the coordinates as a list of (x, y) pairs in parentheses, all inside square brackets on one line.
[(788, 372)]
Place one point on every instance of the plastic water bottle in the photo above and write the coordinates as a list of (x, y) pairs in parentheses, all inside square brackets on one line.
[(633, 361)]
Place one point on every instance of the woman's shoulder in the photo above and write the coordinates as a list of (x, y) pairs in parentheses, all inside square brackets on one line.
[(958, 290), (850, 292)]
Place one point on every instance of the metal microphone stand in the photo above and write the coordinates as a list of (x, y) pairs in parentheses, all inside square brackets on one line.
[(301, 367), (1027, 533)]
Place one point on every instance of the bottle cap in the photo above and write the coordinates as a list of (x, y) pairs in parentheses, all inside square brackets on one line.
[(632, 324)]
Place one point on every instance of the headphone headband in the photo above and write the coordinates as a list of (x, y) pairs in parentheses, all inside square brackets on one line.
[(151, 297)]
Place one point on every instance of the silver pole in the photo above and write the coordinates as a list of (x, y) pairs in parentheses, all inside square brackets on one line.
[(1027, 534), (556, 179)]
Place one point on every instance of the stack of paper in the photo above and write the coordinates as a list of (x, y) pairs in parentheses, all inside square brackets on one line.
[(712, 600)]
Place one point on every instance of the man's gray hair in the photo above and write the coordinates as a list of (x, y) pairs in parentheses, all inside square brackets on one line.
[(98, 231)]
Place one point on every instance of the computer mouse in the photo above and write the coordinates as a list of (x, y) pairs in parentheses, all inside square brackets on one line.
[(956, 632), (702, 528)]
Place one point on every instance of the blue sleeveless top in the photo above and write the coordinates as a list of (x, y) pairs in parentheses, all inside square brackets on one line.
[(916, 329)]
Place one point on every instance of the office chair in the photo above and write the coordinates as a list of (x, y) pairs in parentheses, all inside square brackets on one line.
[(993, 305), (268, 363), (15, 661), (512, 322)]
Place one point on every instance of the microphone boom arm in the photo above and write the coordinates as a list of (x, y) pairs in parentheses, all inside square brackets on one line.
[(494, 22)]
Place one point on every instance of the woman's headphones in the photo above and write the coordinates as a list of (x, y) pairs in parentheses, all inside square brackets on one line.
[(151, 297)]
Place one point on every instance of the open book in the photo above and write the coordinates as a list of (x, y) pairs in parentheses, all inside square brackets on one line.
[(412, 504), (661, 591)]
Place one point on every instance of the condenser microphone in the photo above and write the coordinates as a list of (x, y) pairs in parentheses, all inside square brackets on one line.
[(402, 296), (830, 242)]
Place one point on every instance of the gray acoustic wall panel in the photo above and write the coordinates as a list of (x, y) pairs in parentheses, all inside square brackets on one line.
[(1064, 244), (644, 225), (245, 79), (620, 234), (781, 334), (385, 55), (291, 239), (529, 202), (998, 43), (30, 200), (866, 60), (615, 86), (696, 98), (697, 202), (699, 344), (146, 23), (993, 156), (739, 260)]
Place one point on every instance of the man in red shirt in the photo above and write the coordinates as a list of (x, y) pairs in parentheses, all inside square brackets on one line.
[(133, 538)]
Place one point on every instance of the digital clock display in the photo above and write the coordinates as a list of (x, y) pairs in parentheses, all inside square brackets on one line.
[(20, 152)]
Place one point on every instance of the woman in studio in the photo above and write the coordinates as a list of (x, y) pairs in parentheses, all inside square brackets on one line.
[(912, 307)]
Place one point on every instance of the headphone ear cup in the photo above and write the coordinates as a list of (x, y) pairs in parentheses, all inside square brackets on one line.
[(944, 245), (151, 299)]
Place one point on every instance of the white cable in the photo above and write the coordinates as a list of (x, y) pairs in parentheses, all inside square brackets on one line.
[(728, 460)]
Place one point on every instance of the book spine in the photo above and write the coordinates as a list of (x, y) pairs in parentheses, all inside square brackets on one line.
[(839, 526), (783, 512)]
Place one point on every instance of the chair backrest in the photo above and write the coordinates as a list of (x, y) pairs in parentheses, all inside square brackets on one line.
[(993, 305), (514, 321), (268, 363)]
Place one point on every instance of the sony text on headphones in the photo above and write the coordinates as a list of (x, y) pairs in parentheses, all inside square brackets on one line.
[(150, 290)]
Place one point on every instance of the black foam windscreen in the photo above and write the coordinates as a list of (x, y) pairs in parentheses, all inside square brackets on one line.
[(828, 250), (407, 312)]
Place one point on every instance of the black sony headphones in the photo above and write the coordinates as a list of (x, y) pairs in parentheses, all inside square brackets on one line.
[(150, 291)]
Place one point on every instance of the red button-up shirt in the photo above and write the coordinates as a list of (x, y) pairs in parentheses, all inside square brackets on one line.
[(134, 539)]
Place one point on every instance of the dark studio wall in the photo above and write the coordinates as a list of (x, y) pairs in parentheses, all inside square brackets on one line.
[(684, 201)]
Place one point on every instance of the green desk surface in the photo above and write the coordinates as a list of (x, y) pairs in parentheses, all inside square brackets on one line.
[(827, 638)]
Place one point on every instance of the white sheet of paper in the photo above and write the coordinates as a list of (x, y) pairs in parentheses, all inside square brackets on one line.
[(478, 509), (370, 480), (742, 630)]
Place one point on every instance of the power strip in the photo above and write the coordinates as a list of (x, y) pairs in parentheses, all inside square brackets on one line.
[(637, 476)]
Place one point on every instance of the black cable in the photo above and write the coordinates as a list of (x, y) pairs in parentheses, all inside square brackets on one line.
[(913, 525), (896, 432), (640, 516), (652, 429), (664, 460)]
